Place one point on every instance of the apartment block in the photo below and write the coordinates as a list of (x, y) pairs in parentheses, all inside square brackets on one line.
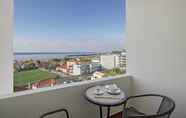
[(112, 60)]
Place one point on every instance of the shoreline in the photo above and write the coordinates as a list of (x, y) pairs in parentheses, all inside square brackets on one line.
[(48, 56), (41, 53)]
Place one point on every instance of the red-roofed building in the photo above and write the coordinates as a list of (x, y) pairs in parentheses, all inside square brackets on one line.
[(44, 83)]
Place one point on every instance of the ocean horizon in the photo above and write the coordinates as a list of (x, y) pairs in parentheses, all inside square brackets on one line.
[(48, 55)]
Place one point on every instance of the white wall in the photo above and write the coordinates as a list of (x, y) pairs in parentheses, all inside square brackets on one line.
[(71, 98), (6, 54), (157, 49)]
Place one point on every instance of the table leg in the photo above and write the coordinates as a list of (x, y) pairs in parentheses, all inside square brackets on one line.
[(124, 113), (100, 110), (108, 112)]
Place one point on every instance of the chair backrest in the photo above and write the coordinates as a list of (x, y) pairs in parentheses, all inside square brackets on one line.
[(54, 112), (166, 107)]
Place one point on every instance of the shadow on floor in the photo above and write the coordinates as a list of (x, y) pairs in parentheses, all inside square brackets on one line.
[(117, 115)]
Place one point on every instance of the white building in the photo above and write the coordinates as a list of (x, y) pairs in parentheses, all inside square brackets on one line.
[(97, 75), (79, 69), (110, 61), (122, 61), (76, 70), (95, 67)]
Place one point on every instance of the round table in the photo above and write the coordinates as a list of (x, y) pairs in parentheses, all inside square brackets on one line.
[(105, 100)]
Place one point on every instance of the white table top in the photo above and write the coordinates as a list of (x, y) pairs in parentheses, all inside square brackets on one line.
[(105, 99)]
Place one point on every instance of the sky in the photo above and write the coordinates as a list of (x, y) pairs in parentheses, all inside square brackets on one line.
[(69, 25)]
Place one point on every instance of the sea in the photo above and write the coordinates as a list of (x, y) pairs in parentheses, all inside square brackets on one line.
[(48, 55)]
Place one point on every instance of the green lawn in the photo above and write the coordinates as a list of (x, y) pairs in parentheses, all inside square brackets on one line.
[(24, 77)]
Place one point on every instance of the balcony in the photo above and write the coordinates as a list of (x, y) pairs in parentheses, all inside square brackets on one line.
[(31, 104), (156, 60)]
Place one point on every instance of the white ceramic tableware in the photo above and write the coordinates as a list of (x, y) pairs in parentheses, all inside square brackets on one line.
[(98, 91)]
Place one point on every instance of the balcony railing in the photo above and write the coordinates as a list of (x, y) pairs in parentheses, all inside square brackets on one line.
[(31, 104)]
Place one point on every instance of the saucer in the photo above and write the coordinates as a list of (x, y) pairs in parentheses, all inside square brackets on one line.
[(115, 92)]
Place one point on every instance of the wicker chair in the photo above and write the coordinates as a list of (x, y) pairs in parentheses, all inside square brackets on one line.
[(167, 106), (54, 112)]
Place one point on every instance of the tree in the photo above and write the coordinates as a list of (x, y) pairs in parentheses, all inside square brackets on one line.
[(112, 72)]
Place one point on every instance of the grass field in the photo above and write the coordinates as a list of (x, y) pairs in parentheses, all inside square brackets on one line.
[(24, 77)]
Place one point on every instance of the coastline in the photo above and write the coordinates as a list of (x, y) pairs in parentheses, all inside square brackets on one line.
[(49, 55)]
